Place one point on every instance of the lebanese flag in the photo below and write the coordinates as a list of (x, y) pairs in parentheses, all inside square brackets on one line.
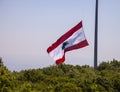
[(71, 40)]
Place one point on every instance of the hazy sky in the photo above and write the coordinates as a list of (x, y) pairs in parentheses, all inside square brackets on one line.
[(29, 27)]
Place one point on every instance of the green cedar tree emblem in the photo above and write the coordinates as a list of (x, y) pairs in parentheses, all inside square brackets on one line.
[(64, 44)]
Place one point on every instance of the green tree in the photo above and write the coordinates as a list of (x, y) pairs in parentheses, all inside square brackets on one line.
[(6, 78)]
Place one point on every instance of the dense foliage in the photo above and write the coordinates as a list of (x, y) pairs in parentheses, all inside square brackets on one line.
[(62, 78)]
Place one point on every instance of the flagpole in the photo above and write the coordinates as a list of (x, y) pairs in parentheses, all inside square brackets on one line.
[(96, 36)]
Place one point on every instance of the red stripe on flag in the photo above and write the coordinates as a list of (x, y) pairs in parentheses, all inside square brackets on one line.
[(64, 37), (61, 60), (77, 46)]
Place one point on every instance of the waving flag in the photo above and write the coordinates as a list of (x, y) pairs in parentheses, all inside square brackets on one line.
[(73, 39)]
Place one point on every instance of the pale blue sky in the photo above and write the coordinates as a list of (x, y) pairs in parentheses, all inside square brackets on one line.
[(29, 27)]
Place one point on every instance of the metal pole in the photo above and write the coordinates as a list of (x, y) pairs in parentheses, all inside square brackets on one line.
[(96, 36)]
